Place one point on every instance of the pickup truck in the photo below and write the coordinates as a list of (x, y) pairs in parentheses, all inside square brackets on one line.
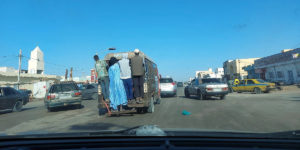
[(204, 88)]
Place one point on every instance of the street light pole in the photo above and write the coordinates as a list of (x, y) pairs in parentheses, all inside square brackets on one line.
[(20, 57)]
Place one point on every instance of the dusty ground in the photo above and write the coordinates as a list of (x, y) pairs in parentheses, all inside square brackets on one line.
[(276, 111)]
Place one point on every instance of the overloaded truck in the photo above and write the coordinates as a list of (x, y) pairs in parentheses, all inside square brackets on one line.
[(151, 88)]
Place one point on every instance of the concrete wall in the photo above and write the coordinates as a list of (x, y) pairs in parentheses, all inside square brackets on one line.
[(235, 67), (272, 73)]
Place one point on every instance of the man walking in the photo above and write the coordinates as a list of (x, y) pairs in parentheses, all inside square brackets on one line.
[(138, 71), (101, 70), (125, 72)]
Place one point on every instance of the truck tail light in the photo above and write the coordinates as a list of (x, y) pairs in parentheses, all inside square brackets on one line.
[(225, 89), (50, 97)]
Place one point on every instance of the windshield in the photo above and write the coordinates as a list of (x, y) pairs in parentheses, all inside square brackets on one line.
[(167, 80), (102, 65)]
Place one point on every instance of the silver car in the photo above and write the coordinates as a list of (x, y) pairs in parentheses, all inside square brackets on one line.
[(63, 94), (168, 87)]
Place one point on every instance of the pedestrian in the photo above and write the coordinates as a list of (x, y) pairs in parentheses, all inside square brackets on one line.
[(138, 71), (117, 94), (126, 76), (102, 74)]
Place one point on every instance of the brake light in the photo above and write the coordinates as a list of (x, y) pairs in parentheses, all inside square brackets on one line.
[(50, 97), (225, 89), (77, 93), (209, 89), (173, 83)]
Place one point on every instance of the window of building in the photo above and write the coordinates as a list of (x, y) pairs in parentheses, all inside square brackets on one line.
[(271, 75), (280, 74)]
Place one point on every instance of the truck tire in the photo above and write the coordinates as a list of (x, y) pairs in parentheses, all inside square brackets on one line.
[(186, 93), (151, 106), (257, 90), (18, 106)]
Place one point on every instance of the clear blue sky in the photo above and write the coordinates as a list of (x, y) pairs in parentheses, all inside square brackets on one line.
[(181, 36)]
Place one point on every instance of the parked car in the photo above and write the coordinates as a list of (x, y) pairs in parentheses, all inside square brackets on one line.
[(89, 91), (179, 84), (10, 99), (204, 88), (168, 87), (253, 85), (63, 94)]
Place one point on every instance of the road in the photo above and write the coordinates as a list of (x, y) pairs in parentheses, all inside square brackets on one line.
[(276, 111)]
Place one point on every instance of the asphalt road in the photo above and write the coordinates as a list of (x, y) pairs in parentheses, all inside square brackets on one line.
[(272, 112)]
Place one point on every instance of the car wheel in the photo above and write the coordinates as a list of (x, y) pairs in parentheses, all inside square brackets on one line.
[(151, 106), (50, 109), (18, 106), (199, 96), (79, 106), (257, 90), (186, 93), (222, 97)]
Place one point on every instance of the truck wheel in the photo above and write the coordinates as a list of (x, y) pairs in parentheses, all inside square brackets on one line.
[(222, 97), (18, 106), (257, 90), (151, 106), (186, 93), (199, 96)]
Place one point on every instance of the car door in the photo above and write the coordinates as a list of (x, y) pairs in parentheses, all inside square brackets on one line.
[(10, 98), (249, 85), (2, 99), (193, 87), (240, 87)]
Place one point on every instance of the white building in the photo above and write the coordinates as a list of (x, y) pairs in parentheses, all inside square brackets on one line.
[(282, 67), (8, 69), (219, 73), (36, 62)]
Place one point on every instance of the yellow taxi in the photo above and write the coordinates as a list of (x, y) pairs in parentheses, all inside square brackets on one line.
[(252, 85)]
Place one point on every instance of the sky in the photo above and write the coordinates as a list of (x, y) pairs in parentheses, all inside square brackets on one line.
[(180, 36)]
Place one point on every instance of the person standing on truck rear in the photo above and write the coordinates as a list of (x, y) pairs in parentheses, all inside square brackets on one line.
[(117, 93), (126, 76), (102, 74), (138, 71)]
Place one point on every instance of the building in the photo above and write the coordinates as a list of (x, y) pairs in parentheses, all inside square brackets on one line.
[(204, 74), (282, 67), (234, 68), (36, 61), (210, 74), (8, 69), (251, 72)]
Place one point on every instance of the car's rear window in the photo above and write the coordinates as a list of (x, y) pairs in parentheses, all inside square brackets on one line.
[(166, 80), (63, 88), (211, 81)]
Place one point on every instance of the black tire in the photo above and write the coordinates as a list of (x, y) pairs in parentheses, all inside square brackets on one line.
[(139, 110), (239, 91), (257, 90), (199, 96), (79, 106), (222, 97), (50, 109), (186, 93), (151, 106), (18, 106)]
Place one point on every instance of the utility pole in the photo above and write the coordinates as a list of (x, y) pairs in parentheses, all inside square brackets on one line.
[(71, 74), (20, 57)]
